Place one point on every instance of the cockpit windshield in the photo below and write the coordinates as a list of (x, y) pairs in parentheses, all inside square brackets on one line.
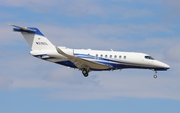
[(149, 57)]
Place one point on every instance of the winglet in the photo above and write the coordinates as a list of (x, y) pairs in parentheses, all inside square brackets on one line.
[(60, 51)]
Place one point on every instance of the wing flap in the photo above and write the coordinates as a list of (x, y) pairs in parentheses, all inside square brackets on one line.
[(83, 63)]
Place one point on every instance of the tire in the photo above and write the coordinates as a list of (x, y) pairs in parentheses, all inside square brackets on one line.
[(155, 76), (85, 72)]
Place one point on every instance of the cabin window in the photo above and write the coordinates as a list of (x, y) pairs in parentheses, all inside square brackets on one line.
[(101, 55), (106, 56), (149, 57), (120, 57), (124, 57), (96, 55), (110, 56), (115, 56)]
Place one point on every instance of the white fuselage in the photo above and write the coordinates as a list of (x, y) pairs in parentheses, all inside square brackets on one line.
[(116, 59)]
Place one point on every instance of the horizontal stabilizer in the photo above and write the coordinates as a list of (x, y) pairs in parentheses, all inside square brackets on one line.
[(24, 29)]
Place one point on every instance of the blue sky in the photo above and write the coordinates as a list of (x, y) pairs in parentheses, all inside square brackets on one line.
[(29, 85)]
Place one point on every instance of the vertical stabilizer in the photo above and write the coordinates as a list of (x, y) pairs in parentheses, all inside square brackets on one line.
[(35, 39)]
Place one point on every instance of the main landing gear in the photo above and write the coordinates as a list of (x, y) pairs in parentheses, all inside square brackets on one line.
[(155, 76), (85, 72)]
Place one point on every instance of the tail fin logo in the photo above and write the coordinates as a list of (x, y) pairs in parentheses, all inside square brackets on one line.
[(41, 43)]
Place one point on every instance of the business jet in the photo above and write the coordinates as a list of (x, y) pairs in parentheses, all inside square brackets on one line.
[(87, 60)]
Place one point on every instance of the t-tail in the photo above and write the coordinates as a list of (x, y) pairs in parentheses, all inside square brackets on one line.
[(35, 39)]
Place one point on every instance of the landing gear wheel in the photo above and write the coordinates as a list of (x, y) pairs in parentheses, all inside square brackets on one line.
[(85, 72), (155, 76), (86, 75)]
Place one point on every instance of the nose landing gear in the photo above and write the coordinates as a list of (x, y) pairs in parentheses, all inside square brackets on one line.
[(155, 76)]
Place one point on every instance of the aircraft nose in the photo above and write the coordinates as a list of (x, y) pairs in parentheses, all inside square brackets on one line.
[(166, 66), (163, 65)]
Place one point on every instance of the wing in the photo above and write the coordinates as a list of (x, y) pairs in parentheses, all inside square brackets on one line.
[(83, 63)]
